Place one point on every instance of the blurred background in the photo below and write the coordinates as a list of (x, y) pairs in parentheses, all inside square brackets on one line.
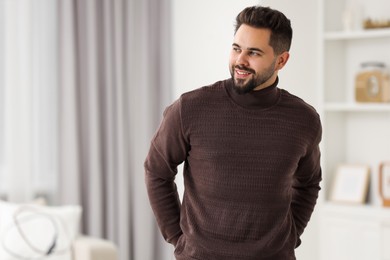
[(83, 84)]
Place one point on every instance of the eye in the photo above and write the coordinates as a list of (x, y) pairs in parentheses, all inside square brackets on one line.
[(236, 49), (254, 53)]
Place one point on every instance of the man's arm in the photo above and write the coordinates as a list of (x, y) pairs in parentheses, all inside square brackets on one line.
[(168, 149), (306, 186)]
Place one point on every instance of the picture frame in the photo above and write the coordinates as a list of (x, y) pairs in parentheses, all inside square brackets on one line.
[(351, 184), (384, 183)]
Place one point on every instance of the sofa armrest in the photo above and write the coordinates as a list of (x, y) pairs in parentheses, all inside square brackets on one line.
[(91, 248)]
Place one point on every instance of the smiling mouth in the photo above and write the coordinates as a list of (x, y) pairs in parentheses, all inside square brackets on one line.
[(242, 73)]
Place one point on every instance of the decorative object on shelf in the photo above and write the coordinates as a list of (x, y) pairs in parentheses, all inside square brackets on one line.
[(352, 16), (351, 183), (376, 23), (384, 183), (372, 83)]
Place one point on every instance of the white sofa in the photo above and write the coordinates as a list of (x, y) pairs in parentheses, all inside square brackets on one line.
[(29, 230), (90, 248)]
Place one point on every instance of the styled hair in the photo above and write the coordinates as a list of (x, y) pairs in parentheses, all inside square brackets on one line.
[(267, 18)]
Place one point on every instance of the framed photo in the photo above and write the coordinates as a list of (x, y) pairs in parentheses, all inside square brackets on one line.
[(384, 183), (351, 183)]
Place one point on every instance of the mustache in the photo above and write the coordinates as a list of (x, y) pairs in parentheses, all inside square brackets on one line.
[(240, 67)]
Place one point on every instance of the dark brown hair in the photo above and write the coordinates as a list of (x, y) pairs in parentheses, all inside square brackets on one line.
[(267, 18)]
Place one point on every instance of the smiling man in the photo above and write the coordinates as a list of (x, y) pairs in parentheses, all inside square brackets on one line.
[(250, 151)]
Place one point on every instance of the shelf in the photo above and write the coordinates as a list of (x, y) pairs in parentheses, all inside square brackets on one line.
[(357, 107), (362, 34), (353, 132), (364, 210)]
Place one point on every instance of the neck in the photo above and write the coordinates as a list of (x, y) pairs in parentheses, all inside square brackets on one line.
[(268, 83), (262, 98)]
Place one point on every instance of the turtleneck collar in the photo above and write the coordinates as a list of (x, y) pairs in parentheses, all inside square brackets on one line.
[(258, 99)]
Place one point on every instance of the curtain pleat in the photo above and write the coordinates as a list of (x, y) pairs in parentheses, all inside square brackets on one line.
[(114, 82)]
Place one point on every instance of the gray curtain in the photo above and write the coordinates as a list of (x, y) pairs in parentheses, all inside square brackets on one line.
[(114, 78)]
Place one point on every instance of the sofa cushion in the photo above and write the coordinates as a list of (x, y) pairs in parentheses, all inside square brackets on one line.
[(29, 231)]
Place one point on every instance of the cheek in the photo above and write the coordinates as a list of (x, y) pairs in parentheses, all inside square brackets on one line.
[(232, 58), (231, 66), (260, 65)]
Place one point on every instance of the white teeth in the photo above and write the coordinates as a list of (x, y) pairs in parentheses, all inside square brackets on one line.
[(242, 73)]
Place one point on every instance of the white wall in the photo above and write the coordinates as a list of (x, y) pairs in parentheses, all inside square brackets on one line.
[(300, 75), (202, 37)]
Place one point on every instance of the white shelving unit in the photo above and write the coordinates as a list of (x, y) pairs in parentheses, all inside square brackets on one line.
[(353, 133), (351, 35)]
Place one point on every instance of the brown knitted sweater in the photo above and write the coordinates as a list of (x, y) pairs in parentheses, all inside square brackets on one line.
[(251, 173)]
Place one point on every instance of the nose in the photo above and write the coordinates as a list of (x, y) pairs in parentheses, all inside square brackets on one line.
[(242, 59)]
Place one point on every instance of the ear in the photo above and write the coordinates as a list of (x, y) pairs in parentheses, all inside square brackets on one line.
[(282, 60)]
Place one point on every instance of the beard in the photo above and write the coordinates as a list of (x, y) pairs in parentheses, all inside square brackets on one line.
[(242, 86)]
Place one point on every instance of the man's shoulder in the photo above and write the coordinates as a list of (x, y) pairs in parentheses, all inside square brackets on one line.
[(207, 92), (296, 102), (300, 111)]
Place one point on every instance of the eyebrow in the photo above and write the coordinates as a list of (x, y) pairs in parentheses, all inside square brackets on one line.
[(249, 49)]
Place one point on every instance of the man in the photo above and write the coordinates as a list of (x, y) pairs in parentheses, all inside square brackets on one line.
[(250, 151)]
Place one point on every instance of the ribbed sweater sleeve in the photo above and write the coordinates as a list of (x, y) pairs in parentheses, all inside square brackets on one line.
[(306, 184), (168, 149)]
